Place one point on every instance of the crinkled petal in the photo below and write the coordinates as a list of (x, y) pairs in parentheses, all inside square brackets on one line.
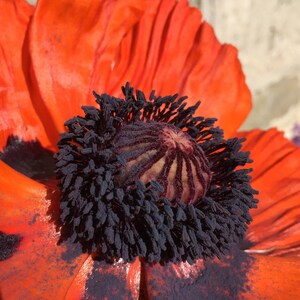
[(276, 222), (214, 75), (158, 54), (68, 40), (157, 46), (101, 45), (273, 278), (18, 116), (40, 268)]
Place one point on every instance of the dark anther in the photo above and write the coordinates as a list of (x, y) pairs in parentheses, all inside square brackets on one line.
[(148, 178)]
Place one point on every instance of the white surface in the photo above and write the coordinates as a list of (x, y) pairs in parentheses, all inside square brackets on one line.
[(267, 34)]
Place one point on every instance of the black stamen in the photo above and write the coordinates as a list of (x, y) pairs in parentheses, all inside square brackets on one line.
[(146, 178)]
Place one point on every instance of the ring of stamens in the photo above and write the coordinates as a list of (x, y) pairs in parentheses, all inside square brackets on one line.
[(116, 205)]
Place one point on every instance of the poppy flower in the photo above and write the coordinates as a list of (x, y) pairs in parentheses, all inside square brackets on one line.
[(113, 228)]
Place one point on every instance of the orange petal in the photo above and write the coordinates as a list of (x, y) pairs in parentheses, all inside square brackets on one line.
[(41, 268), (171, 50), (144, 42), (151, 43), (18, 193), (214, 75), (274, 278), (276, 175), (17, 114), (138, 48), (73, 45)]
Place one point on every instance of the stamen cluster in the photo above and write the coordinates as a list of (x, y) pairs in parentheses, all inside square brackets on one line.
[(114, 206)]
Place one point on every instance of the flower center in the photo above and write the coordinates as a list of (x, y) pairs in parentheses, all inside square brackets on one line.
[(146, 177), (157, 151)]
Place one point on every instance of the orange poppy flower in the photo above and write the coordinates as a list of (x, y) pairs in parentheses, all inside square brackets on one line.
[(52, 57)]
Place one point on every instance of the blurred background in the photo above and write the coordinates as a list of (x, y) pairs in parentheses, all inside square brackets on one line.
[(267, 34)]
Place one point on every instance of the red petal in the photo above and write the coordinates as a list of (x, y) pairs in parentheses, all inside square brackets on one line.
[(42, 268), (160, 47), (103, 44), (274, 278), (276, 224), (17, 113), (171, 50), (214, 75), (76, 290), (69, 42), (39, 266)]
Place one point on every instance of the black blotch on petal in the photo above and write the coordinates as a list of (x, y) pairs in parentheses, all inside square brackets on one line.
[(8, 244), (29, 158), (34, 219), (227, 280), (217, 281), (72, 251), (102, 283)]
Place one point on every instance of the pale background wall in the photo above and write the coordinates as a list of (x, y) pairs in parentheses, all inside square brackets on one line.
[(267, 34)]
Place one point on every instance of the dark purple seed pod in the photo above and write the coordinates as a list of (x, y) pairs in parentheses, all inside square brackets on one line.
[(160, 152), (148, 178)]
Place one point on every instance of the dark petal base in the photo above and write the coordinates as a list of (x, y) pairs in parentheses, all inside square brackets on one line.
[(29, 158), (208, 280), (116, 221), (107, 282)]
